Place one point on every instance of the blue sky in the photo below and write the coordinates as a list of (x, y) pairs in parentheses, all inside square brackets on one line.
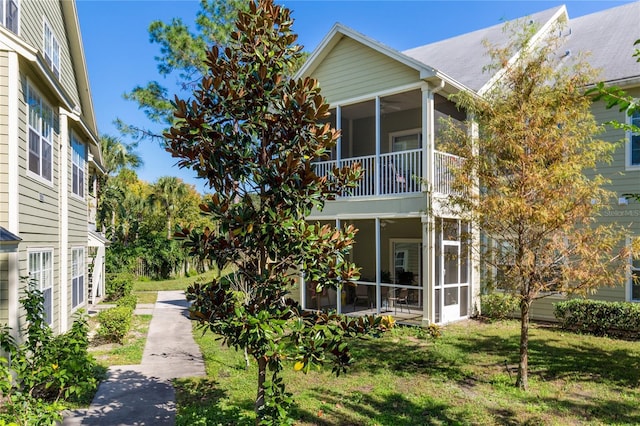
[(119, 55)]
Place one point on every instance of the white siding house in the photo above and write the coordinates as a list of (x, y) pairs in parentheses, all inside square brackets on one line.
[(414, 254), (49, 151)]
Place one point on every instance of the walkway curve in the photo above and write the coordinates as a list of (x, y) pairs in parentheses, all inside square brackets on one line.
[(135, 395)]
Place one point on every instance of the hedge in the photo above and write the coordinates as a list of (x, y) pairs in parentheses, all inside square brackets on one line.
[(114, 323), (118, 285), (498, 306), (129, 301), (599, 317)]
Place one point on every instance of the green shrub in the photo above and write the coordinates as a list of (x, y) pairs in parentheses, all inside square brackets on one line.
[(130, 301), (599, 317), (114, 323), (118, 285), (45, 369), (498, 305)]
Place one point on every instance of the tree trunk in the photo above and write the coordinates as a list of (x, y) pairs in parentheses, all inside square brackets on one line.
[(522, 381), (113, 223), (262, 374)]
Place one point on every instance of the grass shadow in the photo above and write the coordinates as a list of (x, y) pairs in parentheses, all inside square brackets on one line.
[(391, 409), (203, 401)]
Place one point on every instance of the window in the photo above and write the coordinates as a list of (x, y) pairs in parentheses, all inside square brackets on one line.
[(401, 260), (9, 15), (51, 49), (504, 261), (405, 140), (77, 277), (40, 135), (41, 275), (634, 142), (78, 167), (634, 281)]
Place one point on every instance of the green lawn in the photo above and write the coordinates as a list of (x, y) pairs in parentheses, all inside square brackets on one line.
[(131, 349), (465, 377), (172, 284)]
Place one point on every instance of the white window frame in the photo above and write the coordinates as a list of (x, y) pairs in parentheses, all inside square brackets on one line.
[(51, 48), (5, 7), (41, 275), (633, 119), (392, 252), (402, 133), (78, 277), (40, 120), (405, 260), (634, 268), (78, 167)]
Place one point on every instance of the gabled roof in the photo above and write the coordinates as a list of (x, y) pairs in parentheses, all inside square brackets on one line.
[(8, 237), (608, 36), (459, 61), (464, 57), (8, 241), (339, 31)]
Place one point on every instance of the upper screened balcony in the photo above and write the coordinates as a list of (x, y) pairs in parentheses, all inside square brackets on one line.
[(385, 135)]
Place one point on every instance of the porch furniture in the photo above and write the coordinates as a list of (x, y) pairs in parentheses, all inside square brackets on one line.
[(316, 297), (401, 298)]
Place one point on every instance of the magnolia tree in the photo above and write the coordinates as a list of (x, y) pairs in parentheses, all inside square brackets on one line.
[(534, 160), (252, 132)]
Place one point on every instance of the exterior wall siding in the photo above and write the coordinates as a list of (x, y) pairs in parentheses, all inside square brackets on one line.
[(4, 138), (4, 288), (50, 217), (39, 207), (542, 309), (77, 223), (622, 182), (413, 205), (626, 215), (32, 16), (352, 70)]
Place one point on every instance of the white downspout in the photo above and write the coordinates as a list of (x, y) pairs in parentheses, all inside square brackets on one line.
[(13, 185), (378, 266), (63, 188), (377, 166), (339, 289), (339, 127)]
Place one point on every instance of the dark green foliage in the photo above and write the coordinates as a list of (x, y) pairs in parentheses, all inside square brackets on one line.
[(253, 133), (130, 301), (163, 258), (114, 323), (47, 368), (499, 306), (599, 317), (118, 285)]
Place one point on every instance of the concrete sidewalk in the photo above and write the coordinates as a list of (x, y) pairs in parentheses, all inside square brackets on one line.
[(143, 394)]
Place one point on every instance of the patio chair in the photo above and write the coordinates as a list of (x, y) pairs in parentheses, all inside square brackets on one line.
[(362, 293), (401, 299), (393, 180)]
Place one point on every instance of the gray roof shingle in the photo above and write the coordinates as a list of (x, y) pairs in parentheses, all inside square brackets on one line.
[(465, 56), (608, 36)]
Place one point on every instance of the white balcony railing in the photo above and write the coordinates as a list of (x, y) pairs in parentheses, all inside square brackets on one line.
[(398, 173), (443, 177)]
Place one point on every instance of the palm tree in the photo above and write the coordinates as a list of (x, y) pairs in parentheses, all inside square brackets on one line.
[(167, 193), (118, 155)]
